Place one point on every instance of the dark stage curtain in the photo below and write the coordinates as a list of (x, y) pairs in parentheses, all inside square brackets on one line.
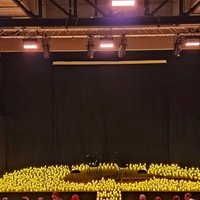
[(2, 124), (139, 113), (184, 109), (28, 106)]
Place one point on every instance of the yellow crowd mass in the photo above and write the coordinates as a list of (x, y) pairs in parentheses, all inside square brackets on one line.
[(159, 177)]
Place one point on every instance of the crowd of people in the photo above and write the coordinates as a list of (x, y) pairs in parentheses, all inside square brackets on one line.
[(57, 196), (187, 196)]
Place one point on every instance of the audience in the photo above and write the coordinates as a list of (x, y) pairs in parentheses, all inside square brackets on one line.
[(176, 197), (25, 198), (40, 198), (56, 196), (75, 197), (5, 198), (157, 198), (187, 196), (142, 197)]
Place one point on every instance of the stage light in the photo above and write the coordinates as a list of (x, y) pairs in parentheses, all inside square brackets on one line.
[(30, 43), (46, 48), (122, 47), (122, 3), (106, 43), (90, 47), (192, 42), (178, 45)]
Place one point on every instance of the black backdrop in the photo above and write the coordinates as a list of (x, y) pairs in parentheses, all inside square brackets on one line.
[(138, 113)]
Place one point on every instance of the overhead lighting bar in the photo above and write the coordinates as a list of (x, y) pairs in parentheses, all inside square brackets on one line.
[(30, 44), (127, 62), (121, 3)]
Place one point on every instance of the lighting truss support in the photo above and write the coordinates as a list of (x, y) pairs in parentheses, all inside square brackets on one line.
[(178, 45), (159, 7), (95, 7), (181, 7), (90, 47), (193, 8), (75, 8), (70, 8), (122, 47), (59, 7), (28, 12), (39, 8), (46, 47), (146, 7)]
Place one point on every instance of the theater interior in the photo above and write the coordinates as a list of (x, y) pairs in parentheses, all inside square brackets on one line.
[(99, 98)]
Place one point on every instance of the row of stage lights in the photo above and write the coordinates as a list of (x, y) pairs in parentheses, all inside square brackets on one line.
[(184, 41), (108, 43), (105, 43)]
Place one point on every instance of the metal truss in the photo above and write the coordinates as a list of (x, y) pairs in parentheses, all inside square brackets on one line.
[(84, 32), (28, 10), (98, 12), (71, 8)]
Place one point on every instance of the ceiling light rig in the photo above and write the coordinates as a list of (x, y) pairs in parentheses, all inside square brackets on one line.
[(46, 47), (186, 41), (178, 45), (122, 47), (90, 47)]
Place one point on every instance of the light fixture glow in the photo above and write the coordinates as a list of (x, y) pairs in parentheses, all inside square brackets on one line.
[(192, 44), (123, 3), (107, 45), (30, 44)]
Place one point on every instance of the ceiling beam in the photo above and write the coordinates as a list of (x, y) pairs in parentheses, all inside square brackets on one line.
[(95, 7), (59, 7), (95, 22), (27, 11), (159, 7), (193, 8)]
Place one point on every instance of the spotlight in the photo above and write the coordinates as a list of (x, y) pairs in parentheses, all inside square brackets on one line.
[(192, 42), (30, 43), (122, 47), (123, 3), (106, 43), (45, 46), (90, 47), (178, 45)]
